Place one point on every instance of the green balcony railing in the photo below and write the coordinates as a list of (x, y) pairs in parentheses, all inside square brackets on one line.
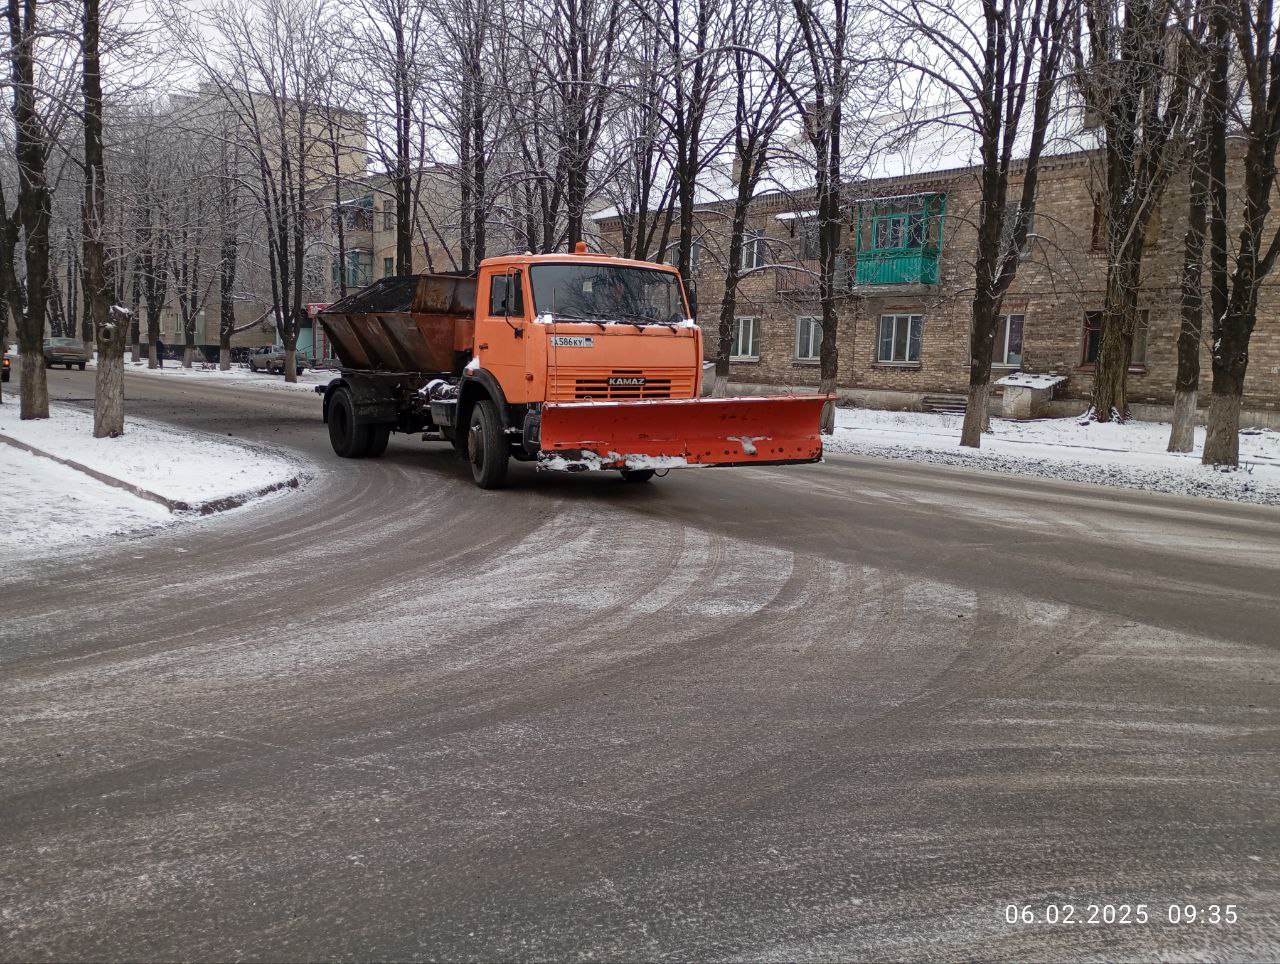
[(897, 266)]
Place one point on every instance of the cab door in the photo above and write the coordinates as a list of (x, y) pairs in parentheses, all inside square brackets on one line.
[(502, 341)]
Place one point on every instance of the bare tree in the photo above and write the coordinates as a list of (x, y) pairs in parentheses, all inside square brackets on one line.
[(825, 28), (1131, 71), (270, 69), (1243, 39), (110, 333), (760, 107), (1000, 71), (31, 215), (1186, 385)]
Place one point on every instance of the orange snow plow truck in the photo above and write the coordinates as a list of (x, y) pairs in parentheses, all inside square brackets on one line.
[(573, 361)]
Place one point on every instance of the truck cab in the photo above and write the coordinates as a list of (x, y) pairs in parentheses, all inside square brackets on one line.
[(563, 328)]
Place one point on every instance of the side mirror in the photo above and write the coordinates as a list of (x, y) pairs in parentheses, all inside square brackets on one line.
[(693, 298)]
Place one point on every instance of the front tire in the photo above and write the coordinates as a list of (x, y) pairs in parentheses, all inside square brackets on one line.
[(637, 475), (349, 440), (487, 446)]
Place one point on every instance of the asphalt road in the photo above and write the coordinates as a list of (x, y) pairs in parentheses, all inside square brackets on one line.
[(853, 710)]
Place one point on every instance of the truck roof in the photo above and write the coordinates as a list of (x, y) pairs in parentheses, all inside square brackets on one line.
[(577, 257)]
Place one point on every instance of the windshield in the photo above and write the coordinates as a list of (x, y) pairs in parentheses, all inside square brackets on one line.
[(64, 342), (602, 292)]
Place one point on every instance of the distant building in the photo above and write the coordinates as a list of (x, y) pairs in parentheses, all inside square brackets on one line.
[(906, 282)]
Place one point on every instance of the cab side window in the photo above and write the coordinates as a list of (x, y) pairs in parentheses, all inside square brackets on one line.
[(506, 296)]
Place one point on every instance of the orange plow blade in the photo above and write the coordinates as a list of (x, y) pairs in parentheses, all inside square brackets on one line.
[(672, 433)]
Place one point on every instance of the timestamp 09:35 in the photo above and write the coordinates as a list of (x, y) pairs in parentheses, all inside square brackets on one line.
[(1121, 914)]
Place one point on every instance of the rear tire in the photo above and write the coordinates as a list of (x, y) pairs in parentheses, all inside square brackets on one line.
[(82, 364), (379, 436), (637, 475), (487, 446), (349, 440)]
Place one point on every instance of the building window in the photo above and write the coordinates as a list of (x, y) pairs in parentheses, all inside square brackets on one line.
[(388, 267), (900, 339), (753, 250), (809, 245), (891, 231), (1138, 359), (388, 218), (808, 338), (1092, 341), (359, 269), (1010, 226), (1008, 347), (746, 334), (695, 257)]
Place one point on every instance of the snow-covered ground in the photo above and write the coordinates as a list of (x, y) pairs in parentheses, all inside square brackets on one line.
[(238, 375), (47, 504), (1131, 455)]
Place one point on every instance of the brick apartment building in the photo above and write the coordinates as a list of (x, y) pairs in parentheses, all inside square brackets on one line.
[(906, 280)]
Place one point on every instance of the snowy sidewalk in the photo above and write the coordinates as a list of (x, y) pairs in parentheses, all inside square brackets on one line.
[(62, 485), (1131, 455), (237, 375)]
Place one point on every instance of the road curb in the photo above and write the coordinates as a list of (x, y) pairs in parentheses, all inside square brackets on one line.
[(208, 507)]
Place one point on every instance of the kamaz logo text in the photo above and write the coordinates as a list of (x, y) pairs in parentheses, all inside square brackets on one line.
[(626, 381)]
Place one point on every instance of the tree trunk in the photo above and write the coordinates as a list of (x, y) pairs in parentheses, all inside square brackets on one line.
[(108, 393), (827, 386), (150, 348), (1186, 383), (1230, 362), (33, 394), (977, 417), (982, 339), (1182, 437), (1222, 443), (1115, 350), (224, 358), (291, 364), (720, 386)]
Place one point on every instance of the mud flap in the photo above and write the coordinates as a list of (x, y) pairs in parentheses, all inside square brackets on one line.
[(674, 433)]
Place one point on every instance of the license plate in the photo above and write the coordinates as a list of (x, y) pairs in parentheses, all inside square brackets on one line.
[(572, 341)]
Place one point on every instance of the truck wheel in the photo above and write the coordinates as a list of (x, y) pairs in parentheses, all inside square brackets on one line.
[(637, 475), (349, 440), (487, 446), (82, 364), (379, 435)]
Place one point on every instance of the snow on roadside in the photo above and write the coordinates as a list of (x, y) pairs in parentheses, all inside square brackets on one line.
[(47, 506), (1131, 455), (238, 375), (173, 463)]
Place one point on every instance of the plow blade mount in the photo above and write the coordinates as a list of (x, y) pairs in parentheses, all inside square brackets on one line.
[(672, 433)]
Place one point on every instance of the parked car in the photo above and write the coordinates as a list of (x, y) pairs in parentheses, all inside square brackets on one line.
[(272, 360), (65, 351)]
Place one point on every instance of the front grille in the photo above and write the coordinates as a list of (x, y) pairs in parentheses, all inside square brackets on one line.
[(582, 384)]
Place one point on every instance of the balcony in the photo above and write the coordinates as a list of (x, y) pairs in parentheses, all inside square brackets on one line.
[(897, 266), (898, 240)]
